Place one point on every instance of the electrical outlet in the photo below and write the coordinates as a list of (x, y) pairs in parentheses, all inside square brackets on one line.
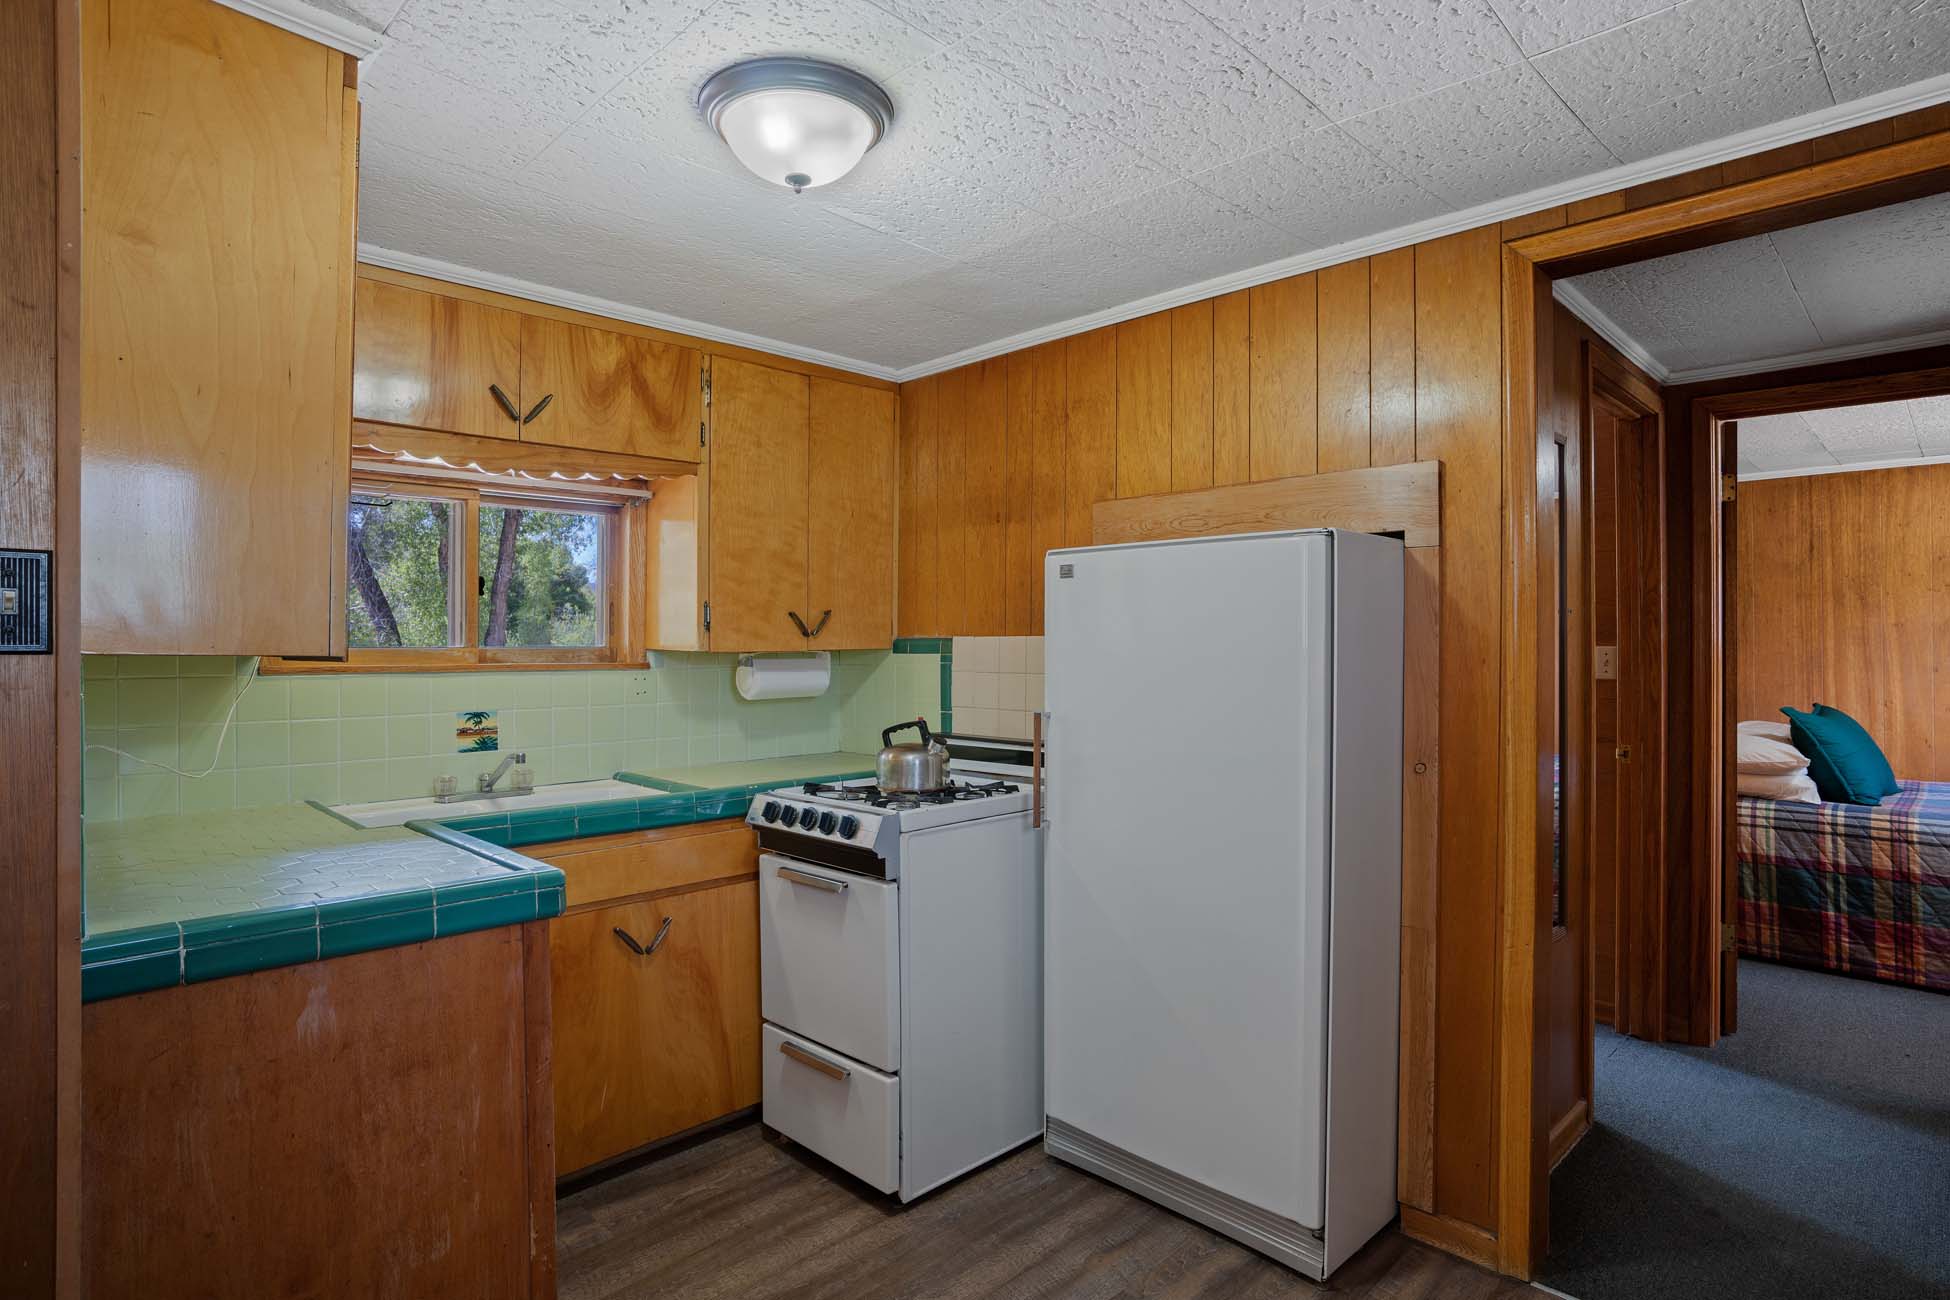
[(1604, 663)]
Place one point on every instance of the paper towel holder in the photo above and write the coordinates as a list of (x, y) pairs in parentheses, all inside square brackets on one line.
[(791, 676)]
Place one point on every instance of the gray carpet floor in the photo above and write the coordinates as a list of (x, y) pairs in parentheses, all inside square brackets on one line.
[(1807, 1155)]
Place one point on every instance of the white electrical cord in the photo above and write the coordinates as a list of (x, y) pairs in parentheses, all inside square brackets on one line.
[(214, 757)]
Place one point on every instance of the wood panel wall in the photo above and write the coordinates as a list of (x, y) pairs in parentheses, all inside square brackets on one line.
[(1375, 361), (1843, 594), (40, 751)]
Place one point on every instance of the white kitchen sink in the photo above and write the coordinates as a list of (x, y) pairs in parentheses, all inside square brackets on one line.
[(397, 812)]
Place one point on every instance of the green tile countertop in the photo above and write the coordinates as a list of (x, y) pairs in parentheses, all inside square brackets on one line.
[(181, 899), (674, 796)]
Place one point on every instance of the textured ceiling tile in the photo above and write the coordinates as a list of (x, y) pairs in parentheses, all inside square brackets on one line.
[(949, 20), (1727, 303), (1353, 56), (964, 119), (1749, 100), (1873, 45), (1324, 187), (558, 53), (856, 33), (956, 216), (1541, 25), (1207, 235), (1054, 274), (891, 329), (1500, 134), (432, 114), (1876, 275), (1682, 49), (1774, 442), (1154, 73), (1930, 416), (1876, 431)]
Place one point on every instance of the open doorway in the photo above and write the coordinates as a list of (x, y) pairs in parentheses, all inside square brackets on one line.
[(1802, 1155)]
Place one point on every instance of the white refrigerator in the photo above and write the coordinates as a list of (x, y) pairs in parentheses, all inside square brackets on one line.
[(1223, 880)]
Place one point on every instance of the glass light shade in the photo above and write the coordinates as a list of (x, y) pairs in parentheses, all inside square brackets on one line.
[(797, 138)]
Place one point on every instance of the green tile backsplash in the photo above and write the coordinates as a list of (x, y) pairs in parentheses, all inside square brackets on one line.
[(353, 738)]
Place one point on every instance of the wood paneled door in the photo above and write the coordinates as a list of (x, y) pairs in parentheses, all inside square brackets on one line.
[(801, 524), (850, 516), (607, 391), (433, 361), (760, 460), (216, 325), (651, 1043)]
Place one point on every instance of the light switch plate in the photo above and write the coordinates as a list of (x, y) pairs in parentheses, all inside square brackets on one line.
[(1604, 663)]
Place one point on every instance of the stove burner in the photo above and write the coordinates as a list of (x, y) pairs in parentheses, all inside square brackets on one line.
[(874, 797)]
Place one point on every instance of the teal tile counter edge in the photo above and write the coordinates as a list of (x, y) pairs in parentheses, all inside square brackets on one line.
[(137, 960)]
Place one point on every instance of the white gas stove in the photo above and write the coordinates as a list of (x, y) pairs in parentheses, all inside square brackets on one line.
[(900, 940)]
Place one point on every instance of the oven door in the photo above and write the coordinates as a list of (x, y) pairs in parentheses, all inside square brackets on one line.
[(829, 957)]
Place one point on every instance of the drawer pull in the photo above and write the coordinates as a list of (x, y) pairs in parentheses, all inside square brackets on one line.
[(831, 1069), (629, 940), (811, 881)]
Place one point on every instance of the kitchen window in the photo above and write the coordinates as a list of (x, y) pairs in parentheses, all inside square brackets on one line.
[(446, 576)]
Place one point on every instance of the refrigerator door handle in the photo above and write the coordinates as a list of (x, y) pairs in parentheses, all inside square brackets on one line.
[(1038, 770)]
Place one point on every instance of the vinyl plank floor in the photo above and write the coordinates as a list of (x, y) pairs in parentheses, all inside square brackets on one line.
[(745, 1216)]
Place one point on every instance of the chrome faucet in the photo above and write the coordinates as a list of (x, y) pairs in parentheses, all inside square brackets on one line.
[(485, 781)]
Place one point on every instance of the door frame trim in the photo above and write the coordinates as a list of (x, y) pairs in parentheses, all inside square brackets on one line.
[(1876, 177)]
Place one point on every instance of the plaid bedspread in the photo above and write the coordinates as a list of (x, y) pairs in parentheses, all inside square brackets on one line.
[(1862, 891)]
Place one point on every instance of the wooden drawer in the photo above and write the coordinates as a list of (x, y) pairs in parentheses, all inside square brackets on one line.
[(647, 862)]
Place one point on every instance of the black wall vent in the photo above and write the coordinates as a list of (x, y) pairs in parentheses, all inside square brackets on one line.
[(26, 613)]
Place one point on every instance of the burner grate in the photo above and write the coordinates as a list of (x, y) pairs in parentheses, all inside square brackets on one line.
[(874, 797)]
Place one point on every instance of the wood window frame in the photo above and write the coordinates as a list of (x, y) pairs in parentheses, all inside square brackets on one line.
[(622, 591)]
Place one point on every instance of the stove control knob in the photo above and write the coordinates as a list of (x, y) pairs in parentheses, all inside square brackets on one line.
[(790, 816), (848, 826), (827, 821), (771, 810)]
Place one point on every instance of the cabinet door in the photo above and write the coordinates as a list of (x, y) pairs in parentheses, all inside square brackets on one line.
[(650, 1045), (432, 362), (596, 388), (758, 506), (850, 517), (216, 332)]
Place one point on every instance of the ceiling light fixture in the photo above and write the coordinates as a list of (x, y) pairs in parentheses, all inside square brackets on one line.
[(796, 122)]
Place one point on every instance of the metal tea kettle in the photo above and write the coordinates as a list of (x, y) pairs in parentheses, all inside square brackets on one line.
[(911, 768)]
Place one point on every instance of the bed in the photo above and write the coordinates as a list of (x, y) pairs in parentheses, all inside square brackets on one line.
[(1856, 890)]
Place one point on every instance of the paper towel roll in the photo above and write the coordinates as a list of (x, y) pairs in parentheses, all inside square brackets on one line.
[(784, 677)]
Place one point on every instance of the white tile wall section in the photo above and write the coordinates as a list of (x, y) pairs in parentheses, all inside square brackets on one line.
[(996, 685)]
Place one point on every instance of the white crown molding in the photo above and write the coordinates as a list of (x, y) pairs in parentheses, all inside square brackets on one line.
[(1851, 467), (1845, 352), (1608, 330), (1840, 117), (414, 264), (321, 25)]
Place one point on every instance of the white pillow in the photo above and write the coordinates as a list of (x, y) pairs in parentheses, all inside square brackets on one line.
[(1765, 756), (1791, 787), (1772, 730)]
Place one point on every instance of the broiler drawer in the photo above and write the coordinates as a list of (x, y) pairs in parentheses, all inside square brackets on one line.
[(833, 1105)]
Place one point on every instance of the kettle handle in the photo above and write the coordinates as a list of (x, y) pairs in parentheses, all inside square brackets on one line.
[(887, 733)]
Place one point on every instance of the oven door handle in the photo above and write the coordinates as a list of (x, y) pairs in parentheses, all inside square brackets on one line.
[(811, 881)]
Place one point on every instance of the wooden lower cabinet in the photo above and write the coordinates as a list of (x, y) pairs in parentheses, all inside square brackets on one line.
[(650, 1044)]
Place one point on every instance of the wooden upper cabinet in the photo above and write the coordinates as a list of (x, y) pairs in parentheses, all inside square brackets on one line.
[(758, 506), (431, 361), (217, 255), (850, 516), (608, 391)]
